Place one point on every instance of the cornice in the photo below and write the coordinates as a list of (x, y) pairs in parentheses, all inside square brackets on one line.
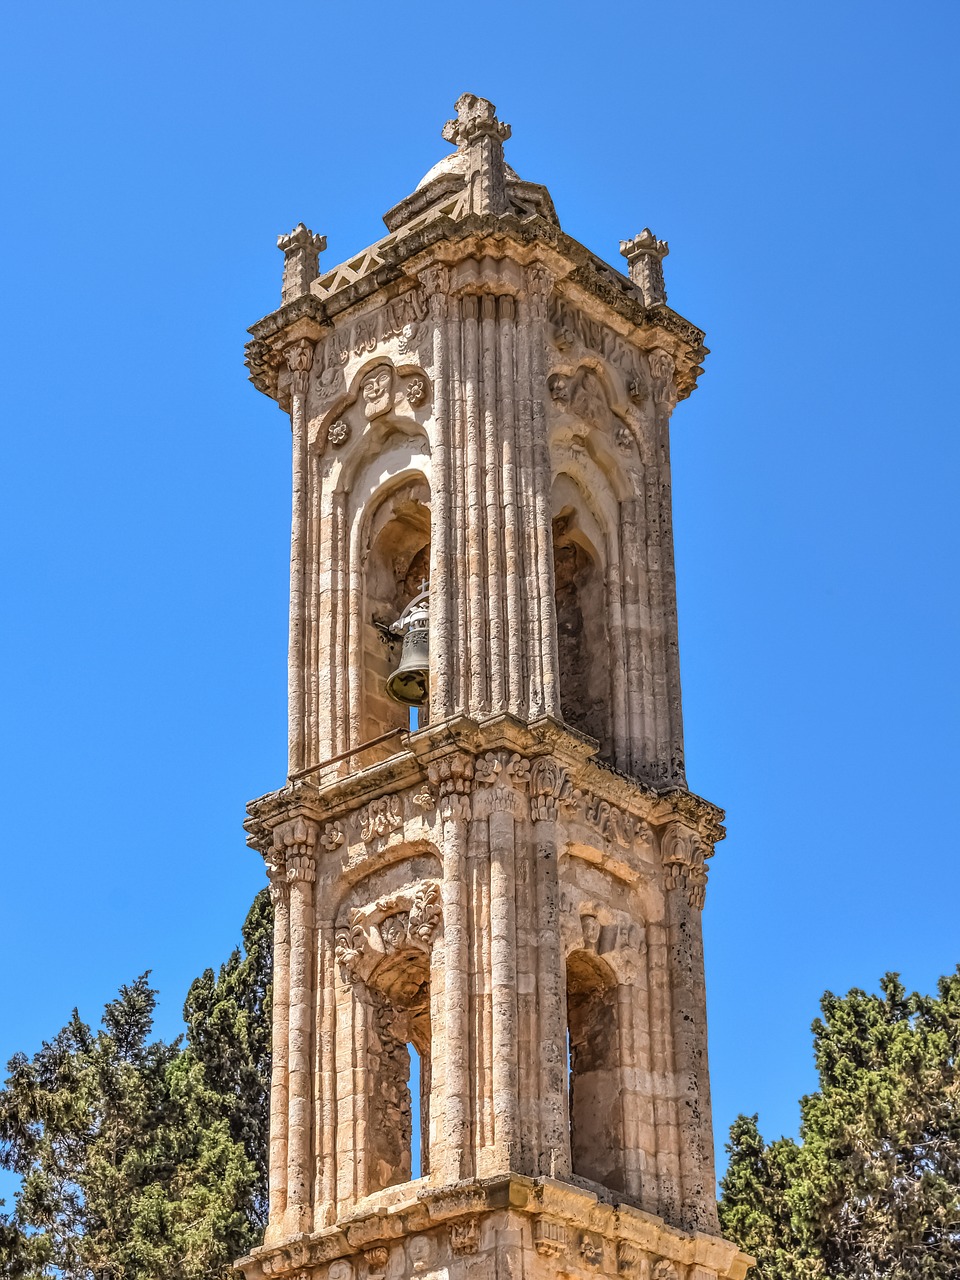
[(319, 801), (392, 264)]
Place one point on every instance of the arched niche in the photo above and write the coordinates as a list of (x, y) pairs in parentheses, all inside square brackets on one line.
[(596, 1110), (387, 929), (583, 632), (394, 564)]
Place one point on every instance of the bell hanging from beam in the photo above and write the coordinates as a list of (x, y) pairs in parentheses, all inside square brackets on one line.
[(410, 683)]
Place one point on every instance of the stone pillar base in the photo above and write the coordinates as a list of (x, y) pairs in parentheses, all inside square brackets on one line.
[(506, 1227)]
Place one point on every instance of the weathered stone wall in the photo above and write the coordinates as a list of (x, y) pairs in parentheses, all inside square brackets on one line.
[(512, 892)]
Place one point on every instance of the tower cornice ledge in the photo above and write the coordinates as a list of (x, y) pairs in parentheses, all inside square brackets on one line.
[(530, 1219), (324, 798), (383, 269)]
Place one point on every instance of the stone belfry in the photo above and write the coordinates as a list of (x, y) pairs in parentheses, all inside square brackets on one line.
[(492, 901)]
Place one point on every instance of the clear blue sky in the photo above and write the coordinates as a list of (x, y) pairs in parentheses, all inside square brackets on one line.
[(801, 159)]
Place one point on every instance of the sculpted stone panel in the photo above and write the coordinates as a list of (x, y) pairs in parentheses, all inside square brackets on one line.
[(407, 919)]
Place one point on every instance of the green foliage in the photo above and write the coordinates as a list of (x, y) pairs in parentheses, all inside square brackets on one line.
[(139, 1160), (873, 1188)]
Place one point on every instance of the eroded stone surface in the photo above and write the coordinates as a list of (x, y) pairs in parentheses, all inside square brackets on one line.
[(480, 405)]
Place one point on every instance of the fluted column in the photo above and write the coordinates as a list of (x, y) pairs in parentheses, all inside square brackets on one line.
[(452, 775), (279, 1101), (297, 840), (685, 880), (299, 358), (540, 283), (436, 282)]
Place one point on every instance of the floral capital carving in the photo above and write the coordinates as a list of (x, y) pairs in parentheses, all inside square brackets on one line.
[(380, 817)]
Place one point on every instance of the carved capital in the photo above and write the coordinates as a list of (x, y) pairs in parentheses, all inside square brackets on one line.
[(299, 358), (296, 841), (682, 853), (663, 370), (376, 1260), (540, 282), (632, 1261), (301, 261), (551, 791), (436, 284), (645, 255), (452, 776), (276, 864), (665, 1270)]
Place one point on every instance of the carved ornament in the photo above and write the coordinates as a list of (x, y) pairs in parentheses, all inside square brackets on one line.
[(683, 859), (380, 817), (665, 1270), (550, 791), (591, 1248), (296, 842), (465, 1235), (376, 1260), (395, 922), (549, 1236), (403, 319), (452, 776), (632, 1261), (299, 358)]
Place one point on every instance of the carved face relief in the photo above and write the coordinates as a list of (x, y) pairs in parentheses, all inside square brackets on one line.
[(376, 388), (589, 400)]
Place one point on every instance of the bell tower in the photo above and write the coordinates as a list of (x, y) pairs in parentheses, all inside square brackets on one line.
[(487, 868)]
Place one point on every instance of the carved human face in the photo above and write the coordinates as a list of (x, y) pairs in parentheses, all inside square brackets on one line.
[(376, 389)]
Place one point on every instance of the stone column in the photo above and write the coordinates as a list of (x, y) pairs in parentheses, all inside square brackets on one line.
[(503, 966), (298, 840), (552, 999), (453, 776), (436, 283), (279, 1101), (682, 854), (540, 284), (299, 357)]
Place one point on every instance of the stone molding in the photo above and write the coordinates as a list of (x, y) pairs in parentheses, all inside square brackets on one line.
[(568, 1226), (474, 779)]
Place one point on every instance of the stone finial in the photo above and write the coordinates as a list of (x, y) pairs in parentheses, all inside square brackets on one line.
[(301, 261), (645, 255), (475, 117), (479, 136)]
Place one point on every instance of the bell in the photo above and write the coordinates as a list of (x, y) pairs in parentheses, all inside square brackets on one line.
[(410, 683)]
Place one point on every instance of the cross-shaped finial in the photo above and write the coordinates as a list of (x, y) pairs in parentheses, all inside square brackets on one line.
[(475, 116)]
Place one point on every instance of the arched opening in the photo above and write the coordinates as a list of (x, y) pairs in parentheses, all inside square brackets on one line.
[(401, 1076), (596, 1109), (396, 565), (582, 640)]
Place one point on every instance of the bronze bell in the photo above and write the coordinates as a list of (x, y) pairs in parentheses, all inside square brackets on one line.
[(410, 683)]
